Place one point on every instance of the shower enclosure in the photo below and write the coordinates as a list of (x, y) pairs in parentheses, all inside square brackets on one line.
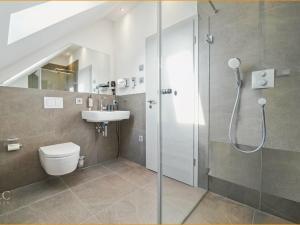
[(197, 93), (175, 112), (220, 147)]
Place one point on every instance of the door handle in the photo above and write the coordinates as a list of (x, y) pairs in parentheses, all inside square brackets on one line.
[(151, 102), (166, 91)]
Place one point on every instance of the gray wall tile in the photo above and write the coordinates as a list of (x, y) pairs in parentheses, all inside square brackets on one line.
[(233, 191), (281, 174), (281, 207), (278, 206), (233, 166), (22, 115), (131, 129), (263, 34)]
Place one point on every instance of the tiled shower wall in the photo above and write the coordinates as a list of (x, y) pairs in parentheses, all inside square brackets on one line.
[(130, 146), (263, 36), (22, 115)]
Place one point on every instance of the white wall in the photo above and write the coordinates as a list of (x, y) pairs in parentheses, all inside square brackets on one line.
[(99, 62), (97, 36), (22, 82), (60, 60), (131, 31), (123, 40)]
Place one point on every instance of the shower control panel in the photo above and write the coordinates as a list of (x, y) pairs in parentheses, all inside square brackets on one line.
[(263, 79)]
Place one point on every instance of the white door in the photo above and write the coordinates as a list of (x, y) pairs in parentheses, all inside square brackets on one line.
[(178, 102)]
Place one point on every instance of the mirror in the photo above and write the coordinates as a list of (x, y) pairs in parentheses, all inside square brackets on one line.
[(74, 68)]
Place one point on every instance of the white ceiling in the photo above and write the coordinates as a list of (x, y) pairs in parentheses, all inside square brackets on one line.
[(120, 10), (9, 54)]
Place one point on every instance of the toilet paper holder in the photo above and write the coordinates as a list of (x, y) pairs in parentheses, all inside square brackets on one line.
[(12, 144)]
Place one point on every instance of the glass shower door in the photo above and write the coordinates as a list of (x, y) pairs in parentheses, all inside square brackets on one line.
[(179, 111)]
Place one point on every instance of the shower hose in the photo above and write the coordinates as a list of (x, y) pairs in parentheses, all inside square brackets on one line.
[(234, 115)]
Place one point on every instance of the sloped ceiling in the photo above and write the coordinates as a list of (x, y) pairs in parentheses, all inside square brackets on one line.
[(10, 54)]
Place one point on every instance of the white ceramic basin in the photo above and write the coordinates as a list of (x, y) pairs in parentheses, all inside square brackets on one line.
[(104, 116)]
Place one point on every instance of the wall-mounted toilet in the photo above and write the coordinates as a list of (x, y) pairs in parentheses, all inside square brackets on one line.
[(59, 159)]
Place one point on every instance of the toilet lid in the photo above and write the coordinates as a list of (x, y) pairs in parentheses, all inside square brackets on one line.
[(60, 150)]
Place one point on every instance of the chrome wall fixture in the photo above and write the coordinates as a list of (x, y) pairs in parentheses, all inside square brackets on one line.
[(213, 6), (234, 63)]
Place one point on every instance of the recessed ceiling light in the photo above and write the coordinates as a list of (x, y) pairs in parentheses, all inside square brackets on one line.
[(122, 9)]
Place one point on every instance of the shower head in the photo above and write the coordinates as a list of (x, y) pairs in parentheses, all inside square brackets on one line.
[(262, 101), (234, 63)]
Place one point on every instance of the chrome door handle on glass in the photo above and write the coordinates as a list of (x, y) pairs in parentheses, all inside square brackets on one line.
[(166, 91)]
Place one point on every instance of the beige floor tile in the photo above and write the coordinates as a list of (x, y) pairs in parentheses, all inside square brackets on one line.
[(182, 195), (83, 175), (91, 220), (102, 192), (120, 165), (265, 218), (23, 215), (215, 209), (130, 163), (64, 207), (138, 207), (121, 192), (179, 199), (139, 176), (28, 194)]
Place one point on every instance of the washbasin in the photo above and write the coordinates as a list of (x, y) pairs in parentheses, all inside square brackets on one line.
[(104, 116)]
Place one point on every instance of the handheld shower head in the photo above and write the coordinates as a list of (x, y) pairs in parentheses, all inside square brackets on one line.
[(262, 101), (234, 63)]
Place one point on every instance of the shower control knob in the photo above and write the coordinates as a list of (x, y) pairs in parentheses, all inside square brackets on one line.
[(263, 79), (264, 74), (262, 82)]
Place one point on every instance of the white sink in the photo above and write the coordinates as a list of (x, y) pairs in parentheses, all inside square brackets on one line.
[(104, 116)]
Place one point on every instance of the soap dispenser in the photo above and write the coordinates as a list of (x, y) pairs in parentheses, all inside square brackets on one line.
[(90, 102)]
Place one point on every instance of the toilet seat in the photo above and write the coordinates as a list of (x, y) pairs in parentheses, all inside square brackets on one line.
[(59, 150), (59, 159)]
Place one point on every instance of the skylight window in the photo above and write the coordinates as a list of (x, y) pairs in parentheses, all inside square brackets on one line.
[(31, 20)]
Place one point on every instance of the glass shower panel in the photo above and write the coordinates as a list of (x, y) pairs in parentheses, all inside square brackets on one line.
[(237, 33), (263, 36), (179, 110), (281, 156)]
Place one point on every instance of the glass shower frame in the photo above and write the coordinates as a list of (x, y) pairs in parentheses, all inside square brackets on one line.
[(202, 170)]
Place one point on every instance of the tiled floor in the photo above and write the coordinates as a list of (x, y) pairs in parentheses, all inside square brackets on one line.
[(114, 192), (121, 192), (214, 209)]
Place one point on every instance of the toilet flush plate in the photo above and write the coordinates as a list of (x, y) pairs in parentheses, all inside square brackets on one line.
[(263, 79)]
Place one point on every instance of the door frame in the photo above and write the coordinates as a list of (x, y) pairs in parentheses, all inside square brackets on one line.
[(197, 98)]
